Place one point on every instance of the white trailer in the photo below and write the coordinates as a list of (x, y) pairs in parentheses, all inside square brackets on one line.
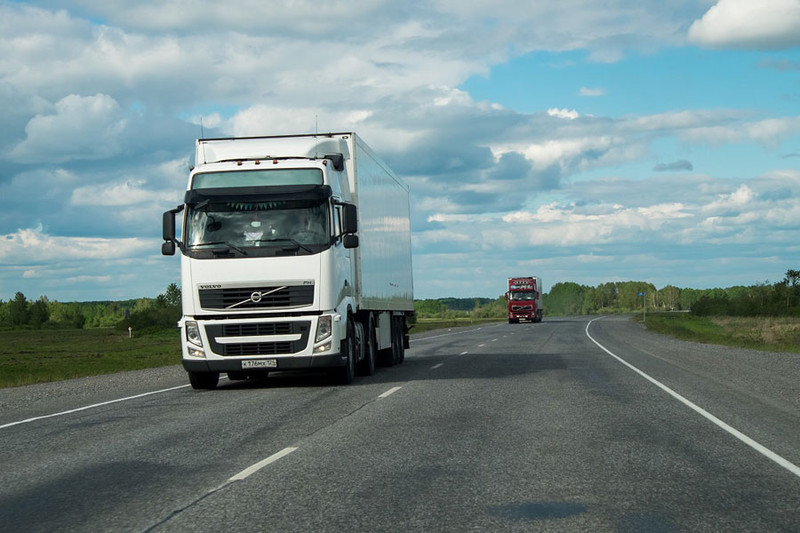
[(295, 255)]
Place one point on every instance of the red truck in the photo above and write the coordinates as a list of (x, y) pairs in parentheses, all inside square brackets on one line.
[(524, 299)]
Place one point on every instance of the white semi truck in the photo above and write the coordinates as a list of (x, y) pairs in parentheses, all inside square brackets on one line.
[(295, 255)]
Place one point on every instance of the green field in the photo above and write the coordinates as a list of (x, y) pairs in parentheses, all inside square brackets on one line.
[(38, 356), (780, 334)]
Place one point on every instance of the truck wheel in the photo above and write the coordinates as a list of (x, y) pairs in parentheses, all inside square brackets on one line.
[(401, 338), (345, 374), (398, 352), (367, 367), (387, 355), (204, 380)]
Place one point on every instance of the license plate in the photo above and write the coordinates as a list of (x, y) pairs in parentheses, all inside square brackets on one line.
[(261, 363)]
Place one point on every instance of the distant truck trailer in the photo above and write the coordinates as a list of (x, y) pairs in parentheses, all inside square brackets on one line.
[(524, 299)]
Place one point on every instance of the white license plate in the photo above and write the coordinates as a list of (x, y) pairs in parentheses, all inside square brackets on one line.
[(262, 363)]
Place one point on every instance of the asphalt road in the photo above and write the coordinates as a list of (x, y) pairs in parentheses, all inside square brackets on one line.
[(565, 425)]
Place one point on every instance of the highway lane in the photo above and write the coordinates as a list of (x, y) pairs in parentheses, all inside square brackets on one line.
[(504, 427)]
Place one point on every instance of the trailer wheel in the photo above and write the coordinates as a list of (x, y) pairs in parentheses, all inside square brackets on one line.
[(387, 355), (398, 352), (204, 380), (367, 367)]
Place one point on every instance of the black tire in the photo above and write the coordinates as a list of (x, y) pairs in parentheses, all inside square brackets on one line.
[(398, 353), (367, 367), (204, 380), (386, 357), (344, 375), (401, 338)]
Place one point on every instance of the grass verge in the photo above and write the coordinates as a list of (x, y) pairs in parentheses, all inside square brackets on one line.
[(41, 356), (779, 334)]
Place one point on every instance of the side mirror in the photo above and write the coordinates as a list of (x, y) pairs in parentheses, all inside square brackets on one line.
[(168, 226), (349, 219), (350, 241), (168, 230)]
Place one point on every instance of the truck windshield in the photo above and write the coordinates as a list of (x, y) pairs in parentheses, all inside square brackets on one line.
[(257, 229), (523, 295)]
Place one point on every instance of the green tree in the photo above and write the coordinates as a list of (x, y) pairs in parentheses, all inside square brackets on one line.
[(39, 312), (18, 312), (564, 299), (164, 312)]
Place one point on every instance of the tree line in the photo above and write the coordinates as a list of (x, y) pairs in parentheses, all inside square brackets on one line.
[(778, 299), (565, 298), (164, 311)]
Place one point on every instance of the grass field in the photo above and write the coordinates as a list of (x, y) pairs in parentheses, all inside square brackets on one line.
[(780, 334), (40, 356)]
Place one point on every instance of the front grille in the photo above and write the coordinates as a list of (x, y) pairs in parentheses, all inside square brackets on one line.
[(258, 329), (522, 308), (252, 330), (257, 297)]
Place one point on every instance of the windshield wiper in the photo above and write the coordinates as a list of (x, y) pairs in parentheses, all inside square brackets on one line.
[(288, 239), (229, 245)]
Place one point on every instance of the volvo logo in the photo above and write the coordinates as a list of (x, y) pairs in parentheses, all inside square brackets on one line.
[(256, 297)]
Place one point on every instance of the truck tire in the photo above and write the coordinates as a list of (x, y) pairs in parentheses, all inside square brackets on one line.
[(204, 380), (386, 356), (398, 351), (367, 367), (344, 375)]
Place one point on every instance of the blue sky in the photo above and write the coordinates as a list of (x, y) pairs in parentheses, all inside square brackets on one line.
[(578, 141)]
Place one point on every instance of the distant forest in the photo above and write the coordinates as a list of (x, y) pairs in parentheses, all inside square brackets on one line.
[(161, 312), (164, 311)]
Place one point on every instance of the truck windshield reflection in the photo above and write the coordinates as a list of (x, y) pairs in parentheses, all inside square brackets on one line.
[(243, 226)]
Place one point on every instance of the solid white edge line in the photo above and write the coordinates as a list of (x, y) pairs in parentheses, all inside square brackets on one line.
[(390, 392), (247, 472), (62, 413), (763, 450)]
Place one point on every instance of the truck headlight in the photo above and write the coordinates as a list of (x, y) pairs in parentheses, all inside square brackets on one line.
[(193, 333), (324, 328)]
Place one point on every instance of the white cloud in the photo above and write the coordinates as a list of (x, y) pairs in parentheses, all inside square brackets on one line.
[(126, 193), (768, 132), (33, 245), (758, 24), (79, 128), (586, 91), (563, 113)]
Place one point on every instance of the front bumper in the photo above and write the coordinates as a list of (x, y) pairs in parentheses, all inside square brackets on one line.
[(312, 362), (277, 343)]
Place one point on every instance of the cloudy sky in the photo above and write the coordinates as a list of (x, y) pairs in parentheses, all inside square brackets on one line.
[(575, 140)]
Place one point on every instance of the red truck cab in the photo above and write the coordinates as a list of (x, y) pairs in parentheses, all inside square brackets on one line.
[(524, 300)]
